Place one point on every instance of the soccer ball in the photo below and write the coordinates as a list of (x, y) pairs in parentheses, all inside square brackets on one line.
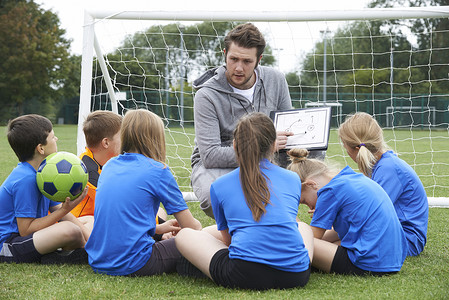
[(61, 175)]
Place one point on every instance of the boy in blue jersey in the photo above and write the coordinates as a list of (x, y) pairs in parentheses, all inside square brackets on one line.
[(27, 230), (354, 223), (363, 139)]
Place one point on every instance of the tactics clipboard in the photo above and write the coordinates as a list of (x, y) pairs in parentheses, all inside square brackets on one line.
[(311, 126)]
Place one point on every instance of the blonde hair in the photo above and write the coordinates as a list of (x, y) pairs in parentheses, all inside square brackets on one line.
[(142, 132), (254, 138), (305, 167), (362, 130)]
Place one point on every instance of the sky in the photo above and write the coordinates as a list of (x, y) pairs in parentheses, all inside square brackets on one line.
[(71, 12)]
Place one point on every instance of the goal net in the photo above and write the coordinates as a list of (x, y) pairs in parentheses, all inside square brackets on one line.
[(391, 63)]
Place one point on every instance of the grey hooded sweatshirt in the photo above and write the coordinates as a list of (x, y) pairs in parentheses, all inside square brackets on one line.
[(217, 110)]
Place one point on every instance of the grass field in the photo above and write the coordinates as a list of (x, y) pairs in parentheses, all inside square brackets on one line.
[(423, 277), (426, 151)]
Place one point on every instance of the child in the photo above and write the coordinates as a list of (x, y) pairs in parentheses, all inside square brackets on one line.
[(255, 207), (121, 242), (370, 238), (363, 139), (102, 132), (27, 230)]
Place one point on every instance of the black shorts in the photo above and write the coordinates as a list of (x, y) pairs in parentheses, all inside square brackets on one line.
[(343, 265), (163, 259), (19, 249), (237, 273)]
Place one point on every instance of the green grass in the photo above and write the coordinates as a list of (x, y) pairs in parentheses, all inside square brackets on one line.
[(426, 151), (423, 277)]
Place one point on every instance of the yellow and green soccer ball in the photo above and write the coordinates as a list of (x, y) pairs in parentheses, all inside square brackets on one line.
[(61, 175)]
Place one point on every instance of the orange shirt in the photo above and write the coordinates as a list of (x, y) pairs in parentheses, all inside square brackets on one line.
[(87, 205)]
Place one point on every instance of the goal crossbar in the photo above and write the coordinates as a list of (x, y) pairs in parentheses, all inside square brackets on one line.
[(287, 16)]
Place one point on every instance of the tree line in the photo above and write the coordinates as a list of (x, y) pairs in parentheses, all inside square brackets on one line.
[(38, 74)]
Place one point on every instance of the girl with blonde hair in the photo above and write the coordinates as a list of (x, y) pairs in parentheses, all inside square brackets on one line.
[(363, 139), (130, 190), (367, 237), (260, 245)]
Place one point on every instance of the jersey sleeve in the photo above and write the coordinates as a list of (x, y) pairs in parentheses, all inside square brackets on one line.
[(325, 210), (26, 197), (169, 193), (220, 219)]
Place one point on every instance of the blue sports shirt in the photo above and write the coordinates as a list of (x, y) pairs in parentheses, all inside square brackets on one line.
[(20, 198), (130, 190), (275, 239), (364, 218), (409, 198)]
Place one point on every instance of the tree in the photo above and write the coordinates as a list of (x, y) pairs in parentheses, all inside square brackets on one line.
[(359, 56), (431, 38), (359, 61), (68, 107), (33, 56), (150, 63), (146, 57)]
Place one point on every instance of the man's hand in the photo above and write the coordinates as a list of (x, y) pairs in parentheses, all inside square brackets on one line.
[(281, 139)]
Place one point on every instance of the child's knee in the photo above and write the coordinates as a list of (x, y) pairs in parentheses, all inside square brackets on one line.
[(181, 235), (72, 232)]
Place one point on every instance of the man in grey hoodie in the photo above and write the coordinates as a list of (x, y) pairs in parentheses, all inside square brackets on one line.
[(224, 95)]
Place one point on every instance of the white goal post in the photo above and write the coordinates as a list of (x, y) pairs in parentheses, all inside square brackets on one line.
[(105, 72)]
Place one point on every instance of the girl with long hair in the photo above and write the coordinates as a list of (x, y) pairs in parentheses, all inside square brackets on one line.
[(130, 190), (363, 139), (355, 226), (260, 245)]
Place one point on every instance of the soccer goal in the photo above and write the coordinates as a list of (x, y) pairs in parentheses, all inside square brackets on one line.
[(392, 63)]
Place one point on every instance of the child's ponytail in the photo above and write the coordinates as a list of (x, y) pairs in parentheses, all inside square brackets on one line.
[(254, 139), (362, 131)]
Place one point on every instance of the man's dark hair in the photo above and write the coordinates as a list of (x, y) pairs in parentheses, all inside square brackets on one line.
[(247, 36), (26, 132)]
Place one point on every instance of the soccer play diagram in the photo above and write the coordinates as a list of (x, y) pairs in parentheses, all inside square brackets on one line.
[(310, 127)]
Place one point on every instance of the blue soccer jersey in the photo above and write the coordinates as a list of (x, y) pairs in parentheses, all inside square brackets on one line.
[(362, 214), (20, 198), (409, 198), (130, 190), (275, 239)]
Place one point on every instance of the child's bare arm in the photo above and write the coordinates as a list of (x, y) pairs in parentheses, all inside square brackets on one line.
[(185, 219), (168, 226), (30, 225)]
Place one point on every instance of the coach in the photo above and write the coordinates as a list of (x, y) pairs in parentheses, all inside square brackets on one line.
[(224, 95)]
